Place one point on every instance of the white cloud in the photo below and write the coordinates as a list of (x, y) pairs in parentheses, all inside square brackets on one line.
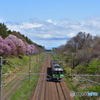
[(23, 26), (49, 20), (47, 36), (50, 33), (28, 25)]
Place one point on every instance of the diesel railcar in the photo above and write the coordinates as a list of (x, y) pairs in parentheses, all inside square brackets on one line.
[(57, 71)]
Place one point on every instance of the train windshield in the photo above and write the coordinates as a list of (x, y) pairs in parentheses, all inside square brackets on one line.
[(57, 66), (57, 72)]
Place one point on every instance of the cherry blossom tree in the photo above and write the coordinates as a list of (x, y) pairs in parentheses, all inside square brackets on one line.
[(1, 51), (6, 49), (15, 46), (10, 43), (30, 48), (1, 46), (21, 48)]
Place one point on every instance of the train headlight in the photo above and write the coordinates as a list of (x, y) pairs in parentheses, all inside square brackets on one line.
[(56, 69), (53, 74), (61, 75)]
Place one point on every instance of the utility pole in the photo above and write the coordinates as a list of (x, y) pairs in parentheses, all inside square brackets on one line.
[(39, 57), (71, 66), (0, 75), (36, 60), (29, 67), (62, 59)]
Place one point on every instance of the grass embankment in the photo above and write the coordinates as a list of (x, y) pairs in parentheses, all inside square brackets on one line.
[(79, 86), (24, 92), (15, 65), (20, 65)]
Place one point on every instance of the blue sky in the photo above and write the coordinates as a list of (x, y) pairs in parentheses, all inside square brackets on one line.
[(51, 22)]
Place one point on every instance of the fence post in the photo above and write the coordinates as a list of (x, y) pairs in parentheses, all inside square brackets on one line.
[(0, 75)]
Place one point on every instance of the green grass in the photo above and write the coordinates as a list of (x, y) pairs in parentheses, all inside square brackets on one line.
[(23, 93), (52, 56), (14, 64), (24, 65), (25, 90)]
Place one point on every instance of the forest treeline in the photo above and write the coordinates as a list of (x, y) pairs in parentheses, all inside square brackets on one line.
[(86, 51)]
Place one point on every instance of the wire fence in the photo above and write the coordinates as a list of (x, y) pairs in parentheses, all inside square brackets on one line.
[(35, 74), (38, 59)]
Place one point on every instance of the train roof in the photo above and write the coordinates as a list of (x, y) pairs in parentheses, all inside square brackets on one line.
[(54, 61), (57, 67)]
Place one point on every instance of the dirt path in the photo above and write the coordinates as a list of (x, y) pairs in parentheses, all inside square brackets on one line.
[(49, 90), (9, 90)]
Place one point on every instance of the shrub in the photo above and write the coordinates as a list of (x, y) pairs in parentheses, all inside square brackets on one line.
[(80, 69), (92, 67)]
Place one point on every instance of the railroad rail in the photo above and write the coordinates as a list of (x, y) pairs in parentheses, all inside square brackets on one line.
[(59, 96), (44, 71), (49, 89), (39, 88)]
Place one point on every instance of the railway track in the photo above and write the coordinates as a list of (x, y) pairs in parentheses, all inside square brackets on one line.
[(50, 90), (60, 91), (39, 91), (43, 82)]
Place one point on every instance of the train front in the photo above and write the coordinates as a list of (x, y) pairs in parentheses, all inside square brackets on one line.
[(57, 72)]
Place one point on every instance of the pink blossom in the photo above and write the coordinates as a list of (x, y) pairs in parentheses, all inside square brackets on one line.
[(1, 39), (21, 48), (10, 43), (32, 49), (1, 51), (6, 49), (1, 45)]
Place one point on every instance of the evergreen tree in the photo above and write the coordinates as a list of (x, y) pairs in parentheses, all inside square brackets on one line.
[(3, 30)]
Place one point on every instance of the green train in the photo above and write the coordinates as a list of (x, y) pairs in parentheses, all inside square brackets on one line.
[(57, 71)]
